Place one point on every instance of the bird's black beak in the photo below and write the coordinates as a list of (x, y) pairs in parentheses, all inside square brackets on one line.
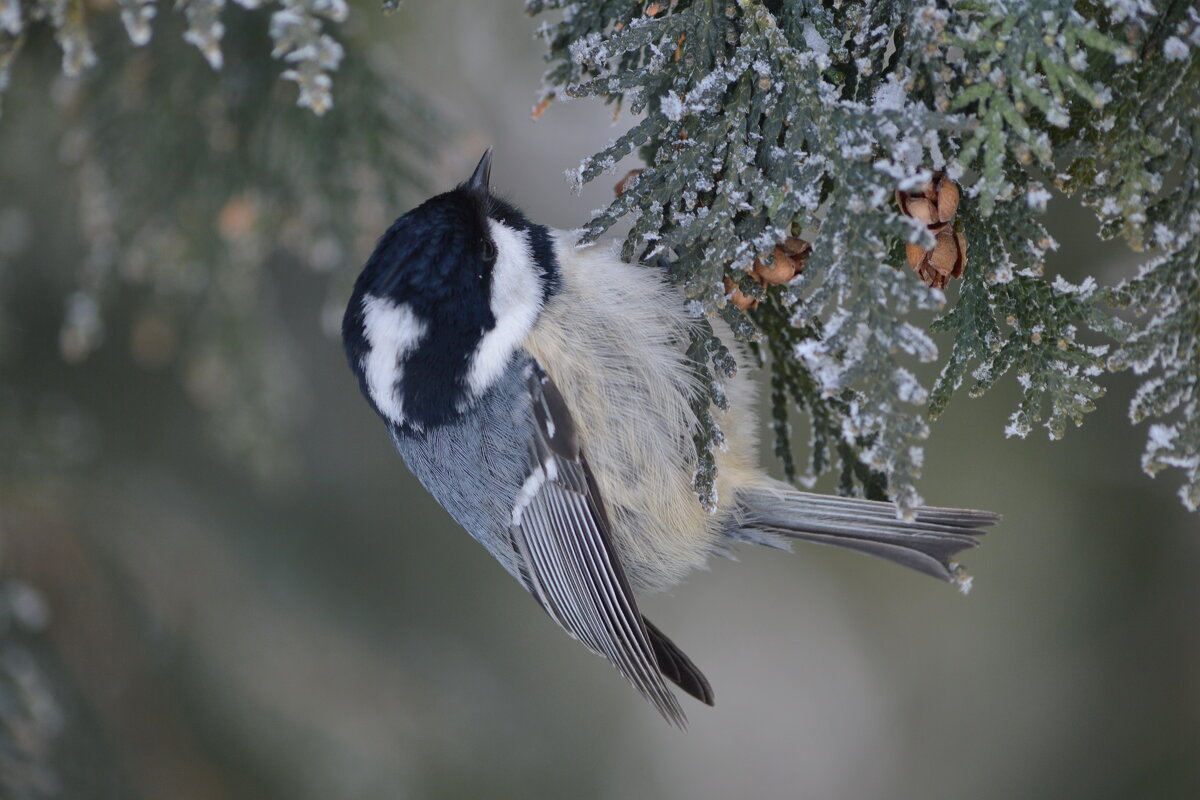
[(482, 175)]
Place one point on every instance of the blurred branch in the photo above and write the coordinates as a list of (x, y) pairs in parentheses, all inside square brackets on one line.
[(188, 184), (296, 33), (106, 658), (31, 716), (187, 655)]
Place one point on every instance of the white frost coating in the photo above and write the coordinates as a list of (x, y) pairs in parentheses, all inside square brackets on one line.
[(672, 107), (1037, 197), (1161, 437), (1122, 10), (1058, 116), (814, 41), (890, 96), (392, 331), (915, 341), (136, 16), (1174, 49), (516, 301), (821, 364), (1164, 236), (10, 16), (589, 50), (1085, 289), (908, 389), (1017, 426), (1001, 275)]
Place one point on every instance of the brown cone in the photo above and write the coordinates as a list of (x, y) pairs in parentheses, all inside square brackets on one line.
[(736, 296), (946, 260), (947, 198), (788, 260), (935, 205)]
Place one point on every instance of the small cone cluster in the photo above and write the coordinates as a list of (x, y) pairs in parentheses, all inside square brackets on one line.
[(788, 261), (935, 205), (790, 258), (737, 297)]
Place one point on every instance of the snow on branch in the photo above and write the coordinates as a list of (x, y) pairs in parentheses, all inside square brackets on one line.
[(769, 122)]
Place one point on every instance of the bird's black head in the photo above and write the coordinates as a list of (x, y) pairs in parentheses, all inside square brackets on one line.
[(444, 301)]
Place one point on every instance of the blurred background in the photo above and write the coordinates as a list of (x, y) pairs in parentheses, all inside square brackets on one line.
[(217, 580)]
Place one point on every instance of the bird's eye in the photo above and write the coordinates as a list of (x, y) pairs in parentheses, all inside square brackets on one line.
[(489, 250)]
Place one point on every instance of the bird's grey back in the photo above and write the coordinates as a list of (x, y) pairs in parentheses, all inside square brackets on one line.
[(474, 465)]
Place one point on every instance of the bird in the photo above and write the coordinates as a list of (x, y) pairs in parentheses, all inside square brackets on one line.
[(541, 393)]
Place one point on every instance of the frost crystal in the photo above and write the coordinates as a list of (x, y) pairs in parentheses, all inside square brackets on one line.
[(136, 16), (1037, 197), (10, 17), (296, 30), (1174, 49), (205, 29)]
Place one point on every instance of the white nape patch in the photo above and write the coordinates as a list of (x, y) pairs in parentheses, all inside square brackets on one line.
[(516, 300), (392, 330)]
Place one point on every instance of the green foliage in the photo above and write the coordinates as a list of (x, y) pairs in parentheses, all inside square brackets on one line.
[(1166, 294), (1168, 290), (767, 120), (1042, 321)]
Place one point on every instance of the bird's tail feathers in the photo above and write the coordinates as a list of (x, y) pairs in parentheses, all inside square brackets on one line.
[(927, 544), (676, 666)]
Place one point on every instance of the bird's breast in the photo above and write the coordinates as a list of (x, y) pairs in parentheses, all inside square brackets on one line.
[(612, 339)]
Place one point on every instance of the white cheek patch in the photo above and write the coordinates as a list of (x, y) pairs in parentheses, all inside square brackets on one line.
[(392, 330), (515, 302)]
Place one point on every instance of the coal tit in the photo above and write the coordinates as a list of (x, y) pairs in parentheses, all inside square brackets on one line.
[(540, 392)]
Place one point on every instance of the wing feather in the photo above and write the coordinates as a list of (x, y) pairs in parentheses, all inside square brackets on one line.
[(561, 531)]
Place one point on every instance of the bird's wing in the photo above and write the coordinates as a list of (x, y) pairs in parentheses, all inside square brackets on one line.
[(562, 533)]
